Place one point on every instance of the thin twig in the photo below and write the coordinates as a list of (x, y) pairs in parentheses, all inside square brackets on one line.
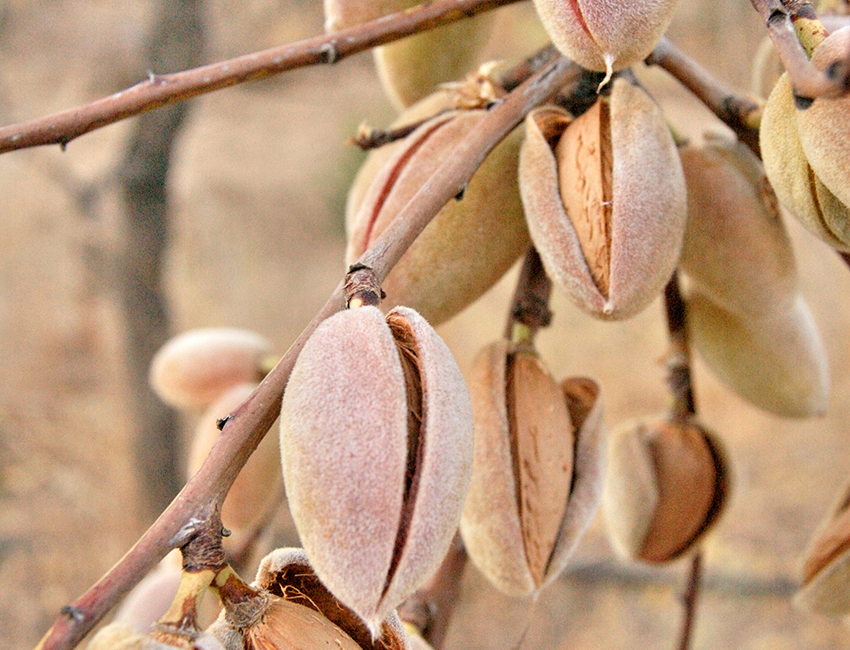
[(200, 499), (684, 408), (689, 599), (530, 304), (161, 90), (741, 114), (780, 16)]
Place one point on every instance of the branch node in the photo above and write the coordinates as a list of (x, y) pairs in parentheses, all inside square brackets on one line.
[(362, 287), (220, 422), (182, 536), (330, 52)]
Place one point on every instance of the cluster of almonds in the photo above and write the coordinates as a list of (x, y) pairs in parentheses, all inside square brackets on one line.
[(385, 453)]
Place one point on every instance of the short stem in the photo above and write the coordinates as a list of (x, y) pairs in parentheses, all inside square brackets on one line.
[(182, 616), (679, 357), (530, 305)]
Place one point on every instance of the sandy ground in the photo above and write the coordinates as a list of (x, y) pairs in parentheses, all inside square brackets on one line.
[(257, 189)]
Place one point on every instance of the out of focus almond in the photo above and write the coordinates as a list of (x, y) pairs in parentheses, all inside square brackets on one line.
[(195, 368), (665, 488)]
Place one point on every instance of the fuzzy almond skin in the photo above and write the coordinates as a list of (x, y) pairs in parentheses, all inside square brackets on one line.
[(193, 369), (122, 636), (649, 207), (797, 186), (605, 34), (469, 245), (775, 361), (823, 126), (736, 248), (258, 489), (491, 526), (343, 439), (344, 434)]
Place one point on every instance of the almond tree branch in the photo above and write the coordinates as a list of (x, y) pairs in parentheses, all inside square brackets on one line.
[(741, 114), (199, 501), (161, 90), (780, 17)]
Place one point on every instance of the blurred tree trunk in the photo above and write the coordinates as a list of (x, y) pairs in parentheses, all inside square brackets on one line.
[(176, 44)]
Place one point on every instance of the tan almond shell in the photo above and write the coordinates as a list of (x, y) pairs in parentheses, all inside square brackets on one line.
[(469, 245), (797, 186), (344, 453), (635, 501), (826, 572), (288, 571), (258, 490), (736, 248), (823, 126), (491, 526), (591, 31), (649, 206), (193, 369), (776, 361)]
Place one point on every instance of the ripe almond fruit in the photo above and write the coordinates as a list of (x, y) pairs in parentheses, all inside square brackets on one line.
[(537, 468), (605, 200), (665, 488), (376, 448)]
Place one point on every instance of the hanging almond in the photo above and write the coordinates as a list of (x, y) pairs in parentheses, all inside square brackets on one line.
[(376, 447), (775, 360), (537, 468), (196, 367), (413, 67), (603, 35), (471, 242), (736, 248), (605, 200), (666, 486)]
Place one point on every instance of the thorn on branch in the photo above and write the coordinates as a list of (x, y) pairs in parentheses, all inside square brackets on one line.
[(459, 195), (73, 613), (220, 422), (330, 52)]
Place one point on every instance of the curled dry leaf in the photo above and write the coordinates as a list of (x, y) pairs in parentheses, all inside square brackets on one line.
[(605, 200), (736, 248), (666, 487), (193, 369), (603, 35), (776, 361), (258, 489), (471, 242), (376, 447), (826, 571), (297, 612), (537, 468)]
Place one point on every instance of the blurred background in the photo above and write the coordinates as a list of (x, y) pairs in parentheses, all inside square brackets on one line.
[(228, 210)]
